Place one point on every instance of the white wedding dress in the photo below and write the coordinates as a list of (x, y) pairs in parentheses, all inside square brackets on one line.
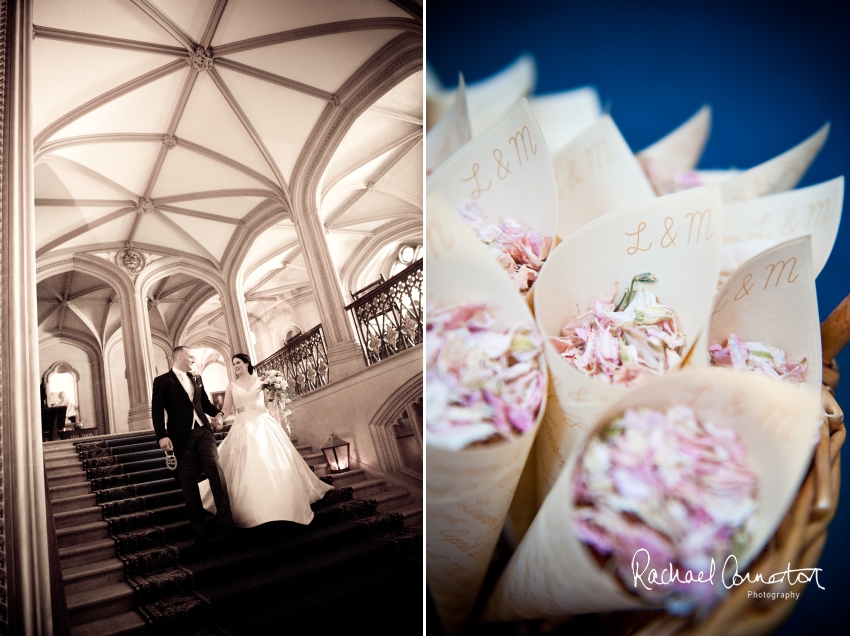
[(267, 479)]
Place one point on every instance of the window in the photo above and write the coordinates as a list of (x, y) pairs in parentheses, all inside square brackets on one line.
[(405, 256)]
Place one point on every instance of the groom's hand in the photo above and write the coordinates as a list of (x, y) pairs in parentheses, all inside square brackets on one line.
[(165, 444)]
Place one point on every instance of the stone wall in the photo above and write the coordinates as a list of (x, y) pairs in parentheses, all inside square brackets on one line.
[(346, 407)]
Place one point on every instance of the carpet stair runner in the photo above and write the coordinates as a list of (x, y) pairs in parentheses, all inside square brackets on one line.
[(130, 566)]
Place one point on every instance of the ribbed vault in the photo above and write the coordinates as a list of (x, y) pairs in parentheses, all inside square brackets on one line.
[(174, 129)]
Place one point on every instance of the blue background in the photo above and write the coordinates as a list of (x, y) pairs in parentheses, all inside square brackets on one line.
[(773, 74)]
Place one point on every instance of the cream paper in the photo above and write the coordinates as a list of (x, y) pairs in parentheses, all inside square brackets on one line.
[(676, 238), (487, 99), (681, 149), (506, 172), (450, 133), (772, 299), (750, 226), (777, 175), (597, 173), (554, 574), (561, 116), (467, 492)]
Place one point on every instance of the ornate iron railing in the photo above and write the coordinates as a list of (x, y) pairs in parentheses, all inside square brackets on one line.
[(389, 317), (303, 361)]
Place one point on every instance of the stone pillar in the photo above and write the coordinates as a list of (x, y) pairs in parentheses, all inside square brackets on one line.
[(236, 318), (138, 359), (25, 567), (345, 357)]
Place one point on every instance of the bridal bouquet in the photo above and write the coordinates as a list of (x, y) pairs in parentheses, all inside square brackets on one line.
[(280, 393)]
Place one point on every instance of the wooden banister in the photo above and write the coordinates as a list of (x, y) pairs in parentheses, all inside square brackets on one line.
[(835, 330)]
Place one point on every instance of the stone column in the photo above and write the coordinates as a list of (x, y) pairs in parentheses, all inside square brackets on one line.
[(25, 570), (138, 359), (399, 59), (345, 356), (236, 318)]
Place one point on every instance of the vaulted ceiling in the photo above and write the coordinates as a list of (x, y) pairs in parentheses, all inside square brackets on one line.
[(174, 126)]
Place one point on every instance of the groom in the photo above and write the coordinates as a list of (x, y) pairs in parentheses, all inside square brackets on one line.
[(181, 395)]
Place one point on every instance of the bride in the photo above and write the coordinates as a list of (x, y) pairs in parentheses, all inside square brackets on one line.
[(267, 479)]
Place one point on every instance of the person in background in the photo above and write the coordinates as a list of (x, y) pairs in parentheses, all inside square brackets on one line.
[(70, 408)]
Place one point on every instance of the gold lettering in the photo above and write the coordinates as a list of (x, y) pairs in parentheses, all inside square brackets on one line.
[(789, 227), (693, 215), (760, 223), (736, 406), (744, 288), (700, 399), (720, 300), (596, 155), (502, 170), (773, 267), (668, 226), (520, 136), (478, 189), (636, 247), (818, 213), (773, 419)]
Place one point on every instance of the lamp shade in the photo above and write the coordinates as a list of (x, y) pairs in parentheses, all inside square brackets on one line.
[(336, 454)]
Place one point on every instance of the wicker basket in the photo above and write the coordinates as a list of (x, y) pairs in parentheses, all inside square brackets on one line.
[(799, 540)]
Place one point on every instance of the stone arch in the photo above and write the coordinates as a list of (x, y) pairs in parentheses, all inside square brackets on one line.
[(194, 267), (398, 60), (217, 344), (138, 355), (92, 348), (366, 251), (182, 319), (400, 413), (292, 331)]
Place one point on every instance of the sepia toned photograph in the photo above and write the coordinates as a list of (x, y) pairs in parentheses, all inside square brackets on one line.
[(211, 272)]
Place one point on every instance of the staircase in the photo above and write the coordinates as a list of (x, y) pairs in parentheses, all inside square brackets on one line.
[(129, 563)]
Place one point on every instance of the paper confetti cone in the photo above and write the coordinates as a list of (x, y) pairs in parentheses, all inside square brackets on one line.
[(468, 491), (677, 239), (554, 574)]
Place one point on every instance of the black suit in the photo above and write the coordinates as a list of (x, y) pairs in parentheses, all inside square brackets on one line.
[(195, 448)]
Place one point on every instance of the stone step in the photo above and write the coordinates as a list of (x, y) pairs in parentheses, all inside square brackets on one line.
[(58, 493), (315, 459), (77, 502), (89, 552), (124, 624), (82, 516), (412, 516), (63, 455), (59, 446), (390, 499), (91, 575), (287, 576), (348, 479), (89, 605), (75, 468), (128, 449), (367, 488), (82, 534), (67, 479)]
